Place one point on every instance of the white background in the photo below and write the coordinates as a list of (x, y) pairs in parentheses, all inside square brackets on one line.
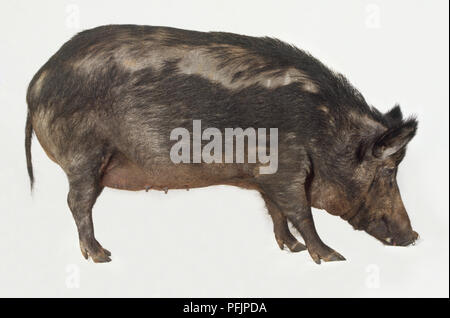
[(218, 241)]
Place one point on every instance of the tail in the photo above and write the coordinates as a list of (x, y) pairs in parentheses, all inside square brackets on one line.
[(28, 136)]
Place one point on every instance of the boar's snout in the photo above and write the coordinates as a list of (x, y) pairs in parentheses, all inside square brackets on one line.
[(392, 232), (408, 240)]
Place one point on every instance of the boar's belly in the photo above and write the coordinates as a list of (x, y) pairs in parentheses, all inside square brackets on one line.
[(121, 173)]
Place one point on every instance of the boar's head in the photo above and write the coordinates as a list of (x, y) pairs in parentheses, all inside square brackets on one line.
[(380, 211), (363, 189)]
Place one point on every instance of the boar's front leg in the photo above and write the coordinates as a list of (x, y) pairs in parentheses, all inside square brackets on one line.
[(280, 227), (84, 188), (290, 195)]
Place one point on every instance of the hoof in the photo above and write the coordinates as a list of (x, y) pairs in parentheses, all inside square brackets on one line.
[(326, 254), (96, 252), (335, 256), (102, 258), (294, 247)]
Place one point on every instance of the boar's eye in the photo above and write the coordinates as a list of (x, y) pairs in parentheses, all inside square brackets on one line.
[(388, 171)]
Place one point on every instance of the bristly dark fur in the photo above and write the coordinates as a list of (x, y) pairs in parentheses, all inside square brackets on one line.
[(28, 136), (394, 116), (104, 105)]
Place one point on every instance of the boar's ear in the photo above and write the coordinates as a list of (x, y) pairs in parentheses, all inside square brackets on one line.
[(394, 116), (395, 138)]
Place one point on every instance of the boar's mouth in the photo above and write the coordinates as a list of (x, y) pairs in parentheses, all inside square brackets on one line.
[(392, 238), (383, 232), (411, 240)]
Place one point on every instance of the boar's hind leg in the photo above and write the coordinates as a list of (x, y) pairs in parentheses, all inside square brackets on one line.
[(280, 227), (84, 188), (286, 195)]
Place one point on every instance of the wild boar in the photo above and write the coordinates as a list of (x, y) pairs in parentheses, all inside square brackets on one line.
[(105, 105)]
